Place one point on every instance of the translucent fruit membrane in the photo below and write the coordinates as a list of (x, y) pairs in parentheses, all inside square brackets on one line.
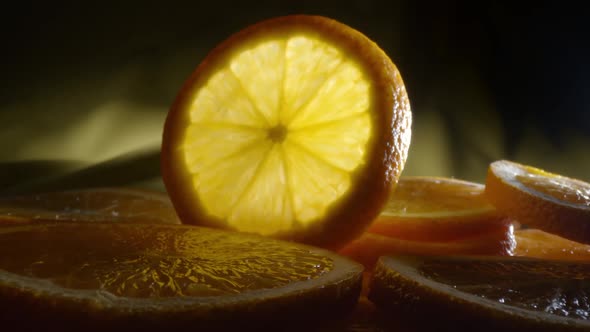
[(277, 132), (154, 261)]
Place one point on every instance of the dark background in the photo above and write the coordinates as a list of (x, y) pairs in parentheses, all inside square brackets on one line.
[(85, 88)]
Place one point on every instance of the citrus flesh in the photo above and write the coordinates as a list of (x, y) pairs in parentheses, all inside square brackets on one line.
[(126, 275), (89, 205), (370, 247), (542, 200), (437, 209), (296, 127), (485, 293), (539, 244)]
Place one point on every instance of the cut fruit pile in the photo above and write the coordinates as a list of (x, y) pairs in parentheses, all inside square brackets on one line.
[(297, 128), (435, 216), (510, 215)]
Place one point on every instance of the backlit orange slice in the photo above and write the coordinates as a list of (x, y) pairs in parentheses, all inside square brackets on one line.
[(296, 127)]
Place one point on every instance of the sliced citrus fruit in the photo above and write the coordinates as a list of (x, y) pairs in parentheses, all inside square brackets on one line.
[(92, 205), (484, 293), (550, 202), (369, 247), (437, 209), (161, 277), (536, 243), (296, 127)]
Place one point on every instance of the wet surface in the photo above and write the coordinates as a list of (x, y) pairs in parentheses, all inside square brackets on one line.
[(156, 261), (557, 288)]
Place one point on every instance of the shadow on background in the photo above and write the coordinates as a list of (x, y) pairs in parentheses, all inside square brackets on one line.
[(93, 83)]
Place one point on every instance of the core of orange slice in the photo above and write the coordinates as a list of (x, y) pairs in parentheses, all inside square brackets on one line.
[(438, 209), (483, 293), (90, 205), (536, 243), (369, 247), (550, 202), (296, 127), (130, 277)]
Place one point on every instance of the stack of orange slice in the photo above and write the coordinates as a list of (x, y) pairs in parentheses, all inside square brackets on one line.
[(296, 128), (555, 207), (545, 290), (435, 216)]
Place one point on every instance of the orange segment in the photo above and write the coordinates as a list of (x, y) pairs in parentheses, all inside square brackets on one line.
[(90, 205), (539, 244), (296, 127), (369, 247), (550, 202), (483, 293), (130, 277), (437, 209)]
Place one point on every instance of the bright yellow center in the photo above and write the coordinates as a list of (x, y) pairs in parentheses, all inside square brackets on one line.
[(277, 132)]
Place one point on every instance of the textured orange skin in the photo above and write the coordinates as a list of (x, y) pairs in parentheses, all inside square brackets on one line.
[(388, 146), (551, 216)]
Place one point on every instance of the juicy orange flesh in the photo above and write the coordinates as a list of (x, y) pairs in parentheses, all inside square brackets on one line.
[(415, 197), (539, 244), (277, 132), (564, 189), (116, 205), (557, 288), (154, 261)]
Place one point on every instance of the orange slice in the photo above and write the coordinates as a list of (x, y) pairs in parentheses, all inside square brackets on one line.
[(550, 202), (130, 277), (483, 293), (437, 209), (536, 243), (369, 247), (296, 127), (90, 205)]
